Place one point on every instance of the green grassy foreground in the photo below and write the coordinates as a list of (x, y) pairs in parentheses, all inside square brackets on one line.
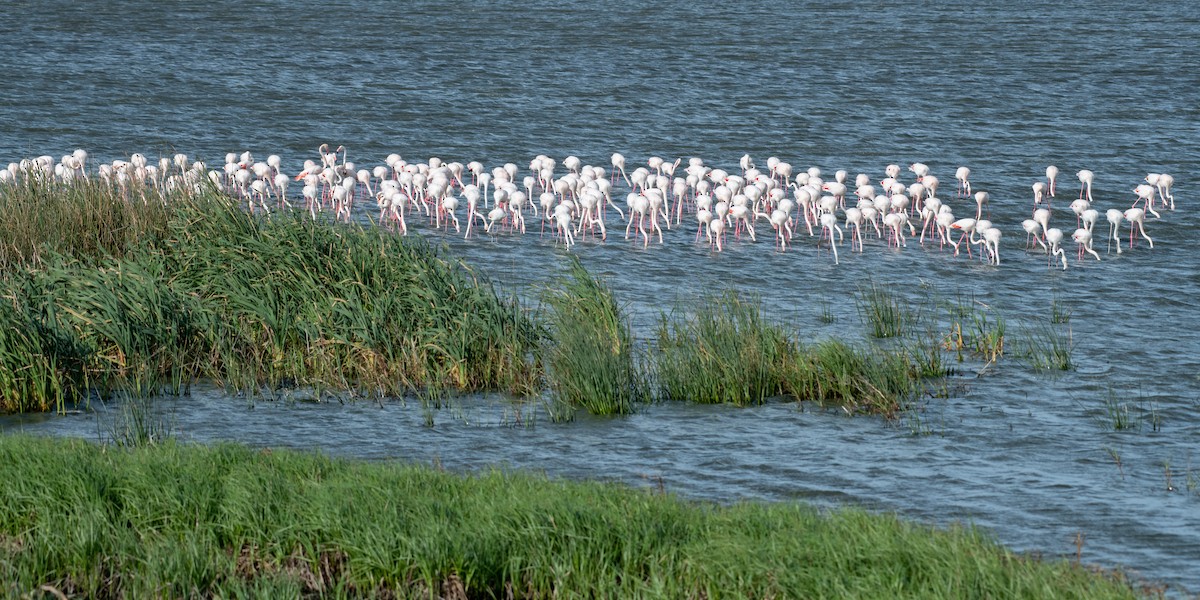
[(227, 521)]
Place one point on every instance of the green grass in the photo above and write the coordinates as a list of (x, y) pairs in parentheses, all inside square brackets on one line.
[(728, 352), (590, 358), (140, 422), (202, 290), (723, 352), (1117, 414), (1048, 348), (927, 356), (213, 292), (884, 312), (988, 333), (834, 373), (827, 317), (1121, 415), (86, 219), (1060, 313), (227, 521), (41, 367), (975, 328)]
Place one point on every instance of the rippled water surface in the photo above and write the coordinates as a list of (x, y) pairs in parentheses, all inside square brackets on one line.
[(1006, 90)]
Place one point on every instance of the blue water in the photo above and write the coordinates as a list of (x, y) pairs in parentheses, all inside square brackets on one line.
[(1006, 90)]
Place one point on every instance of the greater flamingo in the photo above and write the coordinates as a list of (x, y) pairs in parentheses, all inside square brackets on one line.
[(1033, 232), (618, 164), (828, 226), (1164, 183), (1054, 237), (963, 175), (1083, 237), (1051, 177), (854, 216), (716, 228), (967, 227), (1137, 216), (1114, 217), (1145, 194), (982, 198), (639, 205), (991, 243), (1085, 183)]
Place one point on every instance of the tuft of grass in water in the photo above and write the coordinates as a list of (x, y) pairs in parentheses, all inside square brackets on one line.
[(914, 416), (1122, 415), (958, 312), (140, 423), (1048, 348), (589, 357), (827, 316), (1155, 418), (974, 327), (1060, 313), (723, 352), (988, 330), (927, 357), (1117, 415), (1116, 456), (728, 353), (190, 521), (884, 312)]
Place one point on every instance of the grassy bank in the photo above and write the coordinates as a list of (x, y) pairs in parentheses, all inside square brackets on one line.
[(181, 521), (204, 290)]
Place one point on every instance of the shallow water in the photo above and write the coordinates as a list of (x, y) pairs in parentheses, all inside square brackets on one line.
[(1006, 90)]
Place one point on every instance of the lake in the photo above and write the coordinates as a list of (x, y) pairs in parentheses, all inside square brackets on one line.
[(1006, 90)]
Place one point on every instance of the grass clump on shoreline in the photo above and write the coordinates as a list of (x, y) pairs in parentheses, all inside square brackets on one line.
[(227, 521), (728, 352), (590, 360), (254, 302), (724, 352), (834, 373)]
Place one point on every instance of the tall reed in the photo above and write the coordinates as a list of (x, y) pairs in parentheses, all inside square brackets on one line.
[(42, 367), (85, 218), (590, 356)]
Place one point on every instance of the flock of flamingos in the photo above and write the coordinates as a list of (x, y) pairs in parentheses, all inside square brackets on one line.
[(576, 201)]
